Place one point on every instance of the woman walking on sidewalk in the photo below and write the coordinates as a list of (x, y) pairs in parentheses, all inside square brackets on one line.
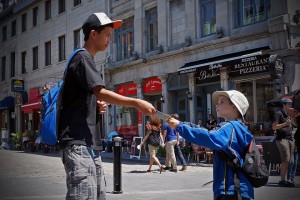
[(154, 138)]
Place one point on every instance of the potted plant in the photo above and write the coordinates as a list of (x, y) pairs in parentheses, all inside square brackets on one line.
[(161, 151), (17, 139), (31, 136)]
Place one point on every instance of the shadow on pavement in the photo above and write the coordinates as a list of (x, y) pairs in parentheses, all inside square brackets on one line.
[(49, 154), (275, 184), (137, 171)]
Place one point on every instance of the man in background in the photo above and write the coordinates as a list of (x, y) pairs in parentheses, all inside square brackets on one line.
[(284, 140)]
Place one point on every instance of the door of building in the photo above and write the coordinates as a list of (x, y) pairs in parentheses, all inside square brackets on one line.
[(200, 105), (182, 108)]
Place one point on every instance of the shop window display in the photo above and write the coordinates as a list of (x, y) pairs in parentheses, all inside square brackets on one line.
[(127, 122), (259, 116)]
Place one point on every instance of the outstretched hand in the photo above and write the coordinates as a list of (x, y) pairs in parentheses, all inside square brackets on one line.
[(173, 123), (146, 107)]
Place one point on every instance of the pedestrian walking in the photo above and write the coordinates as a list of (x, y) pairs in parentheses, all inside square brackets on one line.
[(178, 151), (155, 139), (232, 106), (84, 96), (170, 140)]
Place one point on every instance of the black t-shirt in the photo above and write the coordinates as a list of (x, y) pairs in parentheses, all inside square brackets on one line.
[(285, 132), (78, 117)]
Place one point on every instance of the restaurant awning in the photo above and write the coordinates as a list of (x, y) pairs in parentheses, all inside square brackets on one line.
[(32, 104), (7, 102), (220, 61)]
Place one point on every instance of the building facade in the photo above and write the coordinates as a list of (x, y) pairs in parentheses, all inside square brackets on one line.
[(36, 39), (172, 53), (176, 53)]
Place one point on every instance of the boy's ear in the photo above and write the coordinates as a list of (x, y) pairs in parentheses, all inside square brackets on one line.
[(92, 33), (235, 107)]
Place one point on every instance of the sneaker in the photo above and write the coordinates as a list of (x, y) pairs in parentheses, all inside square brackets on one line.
[(167, 168), (282, 183), (290, 184), (183, 169)]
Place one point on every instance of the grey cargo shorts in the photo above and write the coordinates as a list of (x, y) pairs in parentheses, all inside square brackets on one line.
[(84, 173)]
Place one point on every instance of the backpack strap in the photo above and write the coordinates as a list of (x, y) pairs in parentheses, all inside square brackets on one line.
[(70, 58), (233, 164), (60, 83)]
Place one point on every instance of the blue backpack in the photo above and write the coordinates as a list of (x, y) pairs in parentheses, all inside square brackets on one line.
[(50, 107)]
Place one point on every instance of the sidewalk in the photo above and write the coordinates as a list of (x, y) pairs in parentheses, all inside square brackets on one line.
[(126, 157)]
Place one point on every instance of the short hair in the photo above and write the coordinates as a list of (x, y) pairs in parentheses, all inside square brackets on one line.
[(98, 29), (155, 121), (175, 115)]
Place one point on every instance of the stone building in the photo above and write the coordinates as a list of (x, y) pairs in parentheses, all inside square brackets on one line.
[(172, 53)]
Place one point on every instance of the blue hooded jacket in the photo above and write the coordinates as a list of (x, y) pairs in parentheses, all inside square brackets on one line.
[(218, 139)]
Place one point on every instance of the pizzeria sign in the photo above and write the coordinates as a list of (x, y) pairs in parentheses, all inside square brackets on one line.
[(249, 66)]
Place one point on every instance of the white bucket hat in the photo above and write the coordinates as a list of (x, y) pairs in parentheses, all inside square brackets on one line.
[(237, 98)]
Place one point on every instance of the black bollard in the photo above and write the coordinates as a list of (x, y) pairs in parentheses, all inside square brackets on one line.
[(117, 166)]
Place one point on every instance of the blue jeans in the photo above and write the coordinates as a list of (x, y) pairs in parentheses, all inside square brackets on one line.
[(178, 153), (293, 167)]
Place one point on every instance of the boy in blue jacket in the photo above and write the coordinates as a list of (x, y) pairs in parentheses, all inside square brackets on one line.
[(232, 106)]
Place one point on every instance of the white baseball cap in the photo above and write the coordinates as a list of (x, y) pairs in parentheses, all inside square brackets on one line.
[(96, 20), (237, 98)]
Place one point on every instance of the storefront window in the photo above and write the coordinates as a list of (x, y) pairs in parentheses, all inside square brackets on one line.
[(259, 116), (264, 93), (127, 121)]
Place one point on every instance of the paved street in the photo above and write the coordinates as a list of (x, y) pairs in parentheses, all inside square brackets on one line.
[(25, 175)]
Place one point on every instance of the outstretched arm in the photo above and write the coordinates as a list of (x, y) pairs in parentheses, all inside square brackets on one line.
[(108, 96), (216, 139)]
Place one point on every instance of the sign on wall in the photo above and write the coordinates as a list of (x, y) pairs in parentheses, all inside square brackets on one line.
[(128, 89), (152, 84), (209, 73), (249, 66), (17, 85)]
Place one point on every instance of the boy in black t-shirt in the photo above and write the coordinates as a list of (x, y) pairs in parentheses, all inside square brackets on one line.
[(84, 96)]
